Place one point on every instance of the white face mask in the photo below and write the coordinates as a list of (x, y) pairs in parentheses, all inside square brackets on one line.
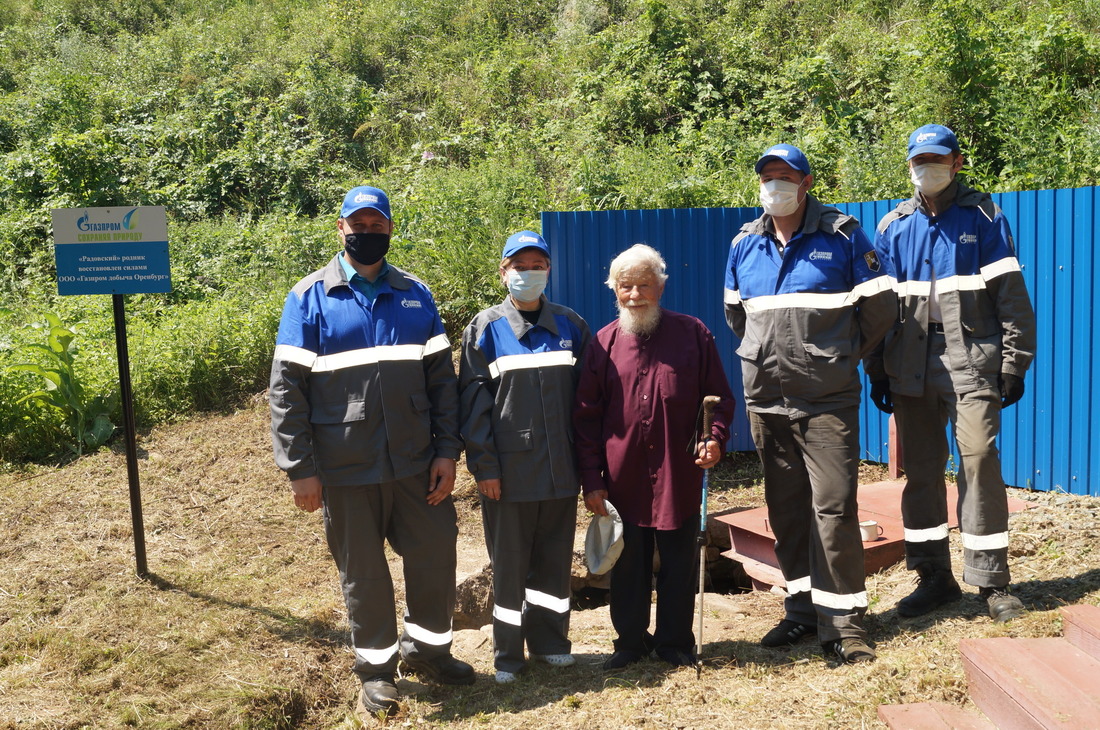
[(931, 178), (779, 197), (527, 286)]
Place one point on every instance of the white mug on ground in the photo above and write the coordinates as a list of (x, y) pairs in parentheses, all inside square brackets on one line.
[(870, 530)]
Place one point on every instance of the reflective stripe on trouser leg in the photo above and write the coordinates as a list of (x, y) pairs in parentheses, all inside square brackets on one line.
[(354, 519), (811, 471), (546, 621), (509, 549), (983, 501), (922, 423), (425, 536), (531, 546), (830, 448), (787, 493)]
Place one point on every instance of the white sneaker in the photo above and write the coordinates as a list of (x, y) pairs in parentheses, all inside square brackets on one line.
[(504, 677), (556, 660)]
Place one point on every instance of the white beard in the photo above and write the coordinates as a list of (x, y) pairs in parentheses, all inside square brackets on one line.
[(640, 321)]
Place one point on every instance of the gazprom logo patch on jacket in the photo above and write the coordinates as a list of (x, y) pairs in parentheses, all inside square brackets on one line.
[(565, 344), (411, 303), (366, 198), (967, 238), (816, 255)]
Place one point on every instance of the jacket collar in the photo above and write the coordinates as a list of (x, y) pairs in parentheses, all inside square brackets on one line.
[(521, 326), (334, 276)]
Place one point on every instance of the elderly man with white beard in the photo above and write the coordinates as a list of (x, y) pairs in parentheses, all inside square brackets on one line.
[(639, 447)]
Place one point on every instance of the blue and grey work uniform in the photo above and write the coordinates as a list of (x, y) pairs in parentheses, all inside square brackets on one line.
[(806, 312), (516, 380), (964, 318), (364, 395)]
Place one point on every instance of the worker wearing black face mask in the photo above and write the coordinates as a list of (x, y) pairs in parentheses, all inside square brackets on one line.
[(364, 413)]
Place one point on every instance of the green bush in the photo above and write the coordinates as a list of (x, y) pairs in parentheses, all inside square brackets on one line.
[(247, 121)]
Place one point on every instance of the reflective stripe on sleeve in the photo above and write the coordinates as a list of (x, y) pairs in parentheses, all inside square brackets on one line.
[(1005, 266), (296, 355), (436, 344), (871, 287), (930, 534), (545, 600)]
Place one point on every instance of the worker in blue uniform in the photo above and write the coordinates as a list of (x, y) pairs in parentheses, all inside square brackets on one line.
[(958, 354), (364, 419), (807, 296), (520, 364)]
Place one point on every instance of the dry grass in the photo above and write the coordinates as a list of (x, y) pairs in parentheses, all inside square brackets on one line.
[(242, 623)]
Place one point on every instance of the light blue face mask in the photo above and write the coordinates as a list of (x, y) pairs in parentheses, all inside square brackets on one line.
[(527, 286)]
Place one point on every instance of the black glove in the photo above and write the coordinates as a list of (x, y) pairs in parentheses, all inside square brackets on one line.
[(880, 396), (1012, 388)]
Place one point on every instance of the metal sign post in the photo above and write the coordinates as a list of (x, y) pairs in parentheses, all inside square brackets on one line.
[(116, 251)]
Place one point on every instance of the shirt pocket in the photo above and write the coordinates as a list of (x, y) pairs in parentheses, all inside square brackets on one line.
[(512, 441), (831, 349), (343, 411)]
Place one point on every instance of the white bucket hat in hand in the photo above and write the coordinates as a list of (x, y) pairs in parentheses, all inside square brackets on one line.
[(604, 541)]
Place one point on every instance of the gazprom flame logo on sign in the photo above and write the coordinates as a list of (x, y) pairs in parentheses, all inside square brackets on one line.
[(366, 198), (127, 223)]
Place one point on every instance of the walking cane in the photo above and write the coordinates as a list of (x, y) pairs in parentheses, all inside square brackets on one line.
[(708, 419)]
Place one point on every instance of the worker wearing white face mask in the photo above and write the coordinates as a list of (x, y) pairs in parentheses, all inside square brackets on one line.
[(807, 296), (959, 352), (520, 363)]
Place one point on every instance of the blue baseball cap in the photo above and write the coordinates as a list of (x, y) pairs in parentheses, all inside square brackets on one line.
[(365, 196), (934, 138), (524, 239), (786, 153)]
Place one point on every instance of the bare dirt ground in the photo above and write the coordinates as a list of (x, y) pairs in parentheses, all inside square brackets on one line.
[(242, 622)]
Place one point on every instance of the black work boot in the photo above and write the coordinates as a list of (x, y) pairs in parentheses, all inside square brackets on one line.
[(379, 694), (1003, 606), (937, 587)]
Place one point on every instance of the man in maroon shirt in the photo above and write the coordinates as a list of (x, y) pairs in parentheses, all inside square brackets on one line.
[(639, 447)]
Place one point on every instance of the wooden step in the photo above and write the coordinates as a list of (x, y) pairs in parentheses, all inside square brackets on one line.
[(1081, 627), (1033, 684), (932, 716)]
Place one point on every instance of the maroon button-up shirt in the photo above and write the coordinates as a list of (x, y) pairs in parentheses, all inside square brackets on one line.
[(636, 418)]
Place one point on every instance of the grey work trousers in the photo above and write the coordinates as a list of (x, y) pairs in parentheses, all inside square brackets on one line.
[(530, 545), (982, 508), (811, 470), (358, 519)]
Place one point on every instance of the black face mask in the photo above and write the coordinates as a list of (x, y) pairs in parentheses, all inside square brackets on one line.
[(367, 248)]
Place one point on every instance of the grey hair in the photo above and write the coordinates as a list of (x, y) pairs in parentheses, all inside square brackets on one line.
[(638, 257)]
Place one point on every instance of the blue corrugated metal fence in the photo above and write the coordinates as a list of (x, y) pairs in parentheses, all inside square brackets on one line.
[(1048, 440)]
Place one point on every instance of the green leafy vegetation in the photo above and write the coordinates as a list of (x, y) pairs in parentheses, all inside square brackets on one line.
[(248, 120)]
